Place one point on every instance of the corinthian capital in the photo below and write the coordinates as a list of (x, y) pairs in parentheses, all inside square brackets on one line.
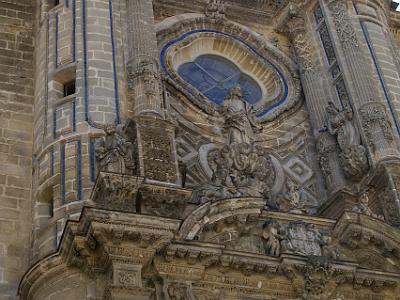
[(293, 24)]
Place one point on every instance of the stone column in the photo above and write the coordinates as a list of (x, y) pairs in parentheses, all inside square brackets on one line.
[(143, 67), (154, 135), (367, 103), (317, 96)]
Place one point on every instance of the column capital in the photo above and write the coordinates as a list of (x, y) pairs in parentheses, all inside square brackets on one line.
[(293, 24)]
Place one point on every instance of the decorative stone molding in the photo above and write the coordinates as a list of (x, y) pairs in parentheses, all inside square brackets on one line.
[(163, 201), (116, 191), (126, 244), (182, 31), (294, 25), (376, 124), (344, 27), (379, 242), (215, 9), (156, 149)]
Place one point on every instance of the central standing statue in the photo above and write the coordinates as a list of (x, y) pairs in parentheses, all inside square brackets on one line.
[(240, 167), (240, 123)]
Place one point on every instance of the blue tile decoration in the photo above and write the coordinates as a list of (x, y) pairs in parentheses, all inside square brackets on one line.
[(269, 107), (62, 165), (379, 72), (56, 40), (86, 67)]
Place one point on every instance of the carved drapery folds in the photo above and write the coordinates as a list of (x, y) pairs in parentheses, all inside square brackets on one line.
[(115, 151), (353, 158), (240, 167)]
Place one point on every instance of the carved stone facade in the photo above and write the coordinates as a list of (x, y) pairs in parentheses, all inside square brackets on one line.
[(202, 150)]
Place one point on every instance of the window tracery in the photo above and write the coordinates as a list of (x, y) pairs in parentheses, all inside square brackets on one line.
[(214, 75)]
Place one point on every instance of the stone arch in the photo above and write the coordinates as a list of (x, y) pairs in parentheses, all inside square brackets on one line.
[(212, 212)]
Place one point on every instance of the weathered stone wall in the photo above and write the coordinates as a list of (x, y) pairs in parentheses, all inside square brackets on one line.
[(78, 41), (16, 120)]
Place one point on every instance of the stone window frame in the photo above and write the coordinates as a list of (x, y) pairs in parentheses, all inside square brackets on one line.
[(333, 65), (175, 27)]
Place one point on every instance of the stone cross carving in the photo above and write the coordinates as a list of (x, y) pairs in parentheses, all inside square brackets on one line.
[(114, 152)]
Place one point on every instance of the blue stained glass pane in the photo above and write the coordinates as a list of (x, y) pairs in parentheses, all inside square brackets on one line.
[(252, 92), (216, 94), (214, 76), (191, 73), (218, 67)]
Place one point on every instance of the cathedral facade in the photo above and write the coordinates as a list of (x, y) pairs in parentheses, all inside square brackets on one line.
[(199, 150)]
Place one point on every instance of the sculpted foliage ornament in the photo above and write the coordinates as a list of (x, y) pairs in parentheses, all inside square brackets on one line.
[(353, 158), (215, 9), (325, 147), (390, 207), (318, 283), (374, 118), (344, 28), (116, 191), (294, 24)]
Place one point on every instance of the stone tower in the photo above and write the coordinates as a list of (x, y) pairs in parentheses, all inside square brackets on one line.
[(204, 149)]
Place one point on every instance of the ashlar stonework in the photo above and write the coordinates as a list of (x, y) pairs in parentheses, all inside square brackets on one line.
[(199, 150)]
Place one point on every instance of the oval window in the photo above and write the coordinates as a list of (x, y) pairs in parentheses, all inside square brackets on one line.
[(214, 75)]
